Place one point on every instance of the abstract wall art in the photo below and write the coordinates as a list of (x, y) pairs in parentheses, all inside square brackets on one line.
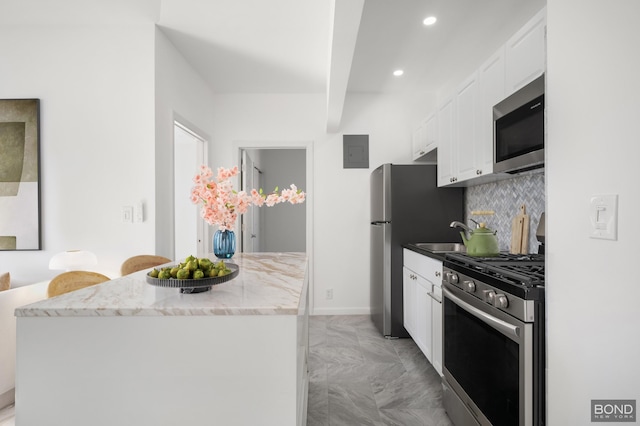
[(20, 174)]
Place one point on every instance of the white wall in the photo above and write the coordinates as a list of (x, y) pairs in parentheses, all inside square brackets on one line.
[(180, 94), (340, 196), (342, 219), (95, 85), (593, 113)]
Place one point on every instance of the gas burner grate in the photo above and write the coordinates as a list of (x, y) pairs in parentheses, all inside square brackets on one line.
[(527, 275), (522, 270)]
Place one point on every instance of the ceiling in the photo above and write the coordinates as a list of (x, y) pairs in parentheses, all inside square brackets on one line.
[(333, 47), (283, 46), (252, 46)]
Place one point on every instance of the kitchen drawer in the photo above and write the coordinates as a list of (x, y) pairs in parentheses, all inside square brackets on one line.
[(425, 266)]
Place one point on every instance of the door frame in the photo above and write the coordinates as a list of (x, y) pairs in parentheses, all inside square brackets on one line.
[(202, 229), (239, 146)]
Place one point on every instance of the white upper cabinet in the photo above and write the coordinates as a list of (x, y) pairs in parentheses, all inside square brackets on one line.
[(467, 131), (446, 149), (463, 154), (425, 136), (526, 53), (431, 132), (491, 76), (418, 139), (465, 120)]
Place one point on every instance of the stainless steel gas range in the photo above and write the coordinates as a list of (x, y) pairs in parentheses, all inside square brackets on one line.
[(493, 340)]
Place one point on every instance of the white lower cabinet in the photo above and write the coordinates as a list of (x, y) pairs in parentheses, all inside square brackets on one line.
[(436, 327), (422, 300), (408, 300), (417, 309)]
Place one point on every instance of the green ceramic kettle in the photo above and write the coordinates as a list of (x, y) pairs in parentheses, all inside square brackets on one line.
[(482, 241)]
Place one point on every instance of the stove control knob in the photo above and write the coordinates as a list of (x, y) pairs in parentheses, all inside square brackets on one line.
[(501, 301), (489, 296), (469, 286), (452, 278)]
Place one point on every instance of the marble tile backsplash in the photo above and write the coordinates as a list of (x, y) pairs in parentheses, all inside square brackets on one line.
[(505, 198)]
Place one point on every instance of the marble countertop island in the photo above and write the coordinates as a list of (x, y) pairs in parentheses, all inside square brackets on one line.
[(126, 352), (268, 284)]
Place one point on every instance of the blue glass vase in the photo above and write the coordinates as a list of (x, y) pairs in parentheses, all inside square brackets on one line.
[(224, 244)]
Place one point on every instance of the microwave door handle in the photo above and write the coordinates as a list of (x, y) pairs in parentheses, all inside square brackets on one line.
[(503, 326)]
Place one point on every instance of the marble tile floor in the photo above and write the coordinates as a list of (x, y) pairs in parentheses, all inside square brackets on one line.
[(359, 378)]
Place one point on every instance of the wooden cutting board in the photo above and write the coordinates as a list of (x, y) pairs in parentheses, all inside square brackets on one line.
[(520, 232)]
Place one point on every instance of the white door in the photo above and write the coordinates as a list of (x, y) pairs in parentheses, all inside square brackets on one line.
[(188, 225)]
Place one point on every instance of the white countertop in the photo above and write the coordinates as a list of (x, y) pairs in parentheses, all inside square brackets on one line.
[(268, 284)]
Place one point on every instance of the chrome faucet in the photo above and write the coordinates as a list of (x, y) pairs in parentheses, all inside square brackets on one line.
[(456, 224)]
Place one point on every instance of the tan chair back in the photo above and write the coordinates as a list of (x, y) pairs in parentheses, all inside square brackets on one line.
[(74, 280), (5, 281), (141, 262)]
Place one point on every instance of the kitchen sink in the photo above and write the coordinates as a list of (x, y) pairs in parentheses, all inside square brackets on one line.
[(442, 247)]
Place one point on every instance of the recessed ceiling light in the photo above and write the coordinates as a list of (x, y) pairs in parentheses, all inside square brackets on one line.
[(398, 73), (430, 20)]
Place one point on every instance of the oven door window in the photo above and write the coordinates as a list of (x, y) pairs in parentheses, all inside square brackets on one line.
[(485, 363)]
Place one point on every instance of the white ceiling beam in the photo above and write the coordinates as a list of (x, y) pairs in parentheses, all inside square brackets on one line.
[(346, 16)]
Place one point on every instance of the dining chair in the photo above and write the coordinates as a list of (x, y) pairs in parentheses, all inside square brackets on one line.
[(5, 281), (140, 262), (74, 280)]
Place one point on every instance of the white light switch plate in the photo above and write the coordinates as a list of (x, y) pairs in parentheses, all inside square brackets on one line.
[(127, 214), (603, 215), (139, 213)]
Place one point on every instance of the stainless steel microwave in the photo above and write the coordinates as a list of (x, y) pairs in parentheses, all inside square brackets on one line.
[(518, 130)]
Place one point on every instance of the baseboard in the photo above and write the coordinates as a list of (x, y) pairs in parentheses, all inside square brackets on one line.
[(341, 311), (8, 398)]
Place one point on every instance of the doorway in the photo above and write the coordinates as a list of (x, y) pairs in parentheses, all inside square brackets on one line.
[(188, 226), (252, 220), (262, 146), (280, 228)]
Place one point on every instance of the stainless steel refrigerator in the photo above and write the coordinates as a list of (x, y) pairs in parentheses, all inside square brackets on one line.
[(406, 207)]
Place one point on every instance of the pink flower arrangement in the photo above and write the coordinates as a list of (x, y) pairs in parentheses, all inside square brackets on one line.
[(221, 204)]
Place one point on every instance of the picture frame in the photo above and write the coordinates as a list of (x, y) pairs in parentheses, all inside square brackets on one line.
[(20, 221)]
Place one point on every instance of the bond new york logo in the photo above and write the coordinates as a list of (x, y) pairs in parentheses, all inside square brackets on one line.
[(613, 410)]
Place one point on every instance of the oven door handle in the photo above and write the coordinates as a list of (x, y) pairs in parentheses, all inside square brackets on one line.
[(431, 295), (503, 326)]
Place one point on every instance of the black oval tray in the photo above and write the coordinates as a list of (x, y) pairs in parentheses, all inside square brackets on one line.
[(195, 286)]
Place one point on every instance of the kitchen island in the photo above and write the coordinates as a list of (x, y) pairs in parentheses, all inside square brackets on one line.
[(128, 353)]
